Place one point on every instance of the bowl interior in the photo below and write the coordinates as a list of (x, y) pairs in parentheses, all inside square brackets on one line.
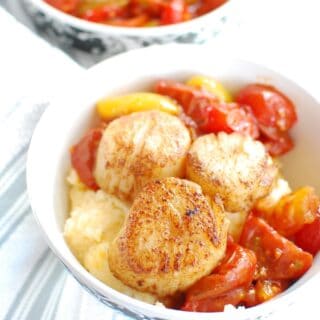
[(72, 113)]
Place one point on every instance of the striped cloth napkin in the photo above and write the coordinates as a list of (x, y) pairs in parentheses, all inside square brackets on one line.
[(33, 283)]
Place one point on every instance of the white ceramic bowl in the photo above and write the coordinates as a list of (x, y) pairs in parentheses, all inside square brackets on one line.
[(110, 40), (67, 118)]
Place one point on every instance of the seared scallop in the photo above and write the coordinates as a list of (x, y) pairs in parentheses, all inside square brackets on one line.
[(140, 147), (172, 237), (235, 167)]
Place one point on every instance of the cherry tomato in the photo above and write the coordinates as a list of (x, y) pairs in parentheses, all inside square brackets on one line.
[(264, 290), (233, 297), (172, 12), (226, 285), (278, 147), (182, 93), (278, 258), (136, 13), (83, 156), (293, 211), (67, 6), (137, 21), (209, 5), (308, 238), (274, 111), (151, 7), (206, 110), (103, 13), (228, 117)]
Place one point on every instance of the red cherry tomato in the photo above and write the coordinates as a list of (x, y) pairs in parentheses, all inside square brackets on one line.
[(83, 156), (103, 13), (136, 13), (209, 5), (274, 111), (226, 285), (228, 117), (206, 110), (278, 147), (264, 290), (308, 238), (233, 297), (172, 12), (182, 93), (293, 211), (278, 258), (137, 21), (67, 6)]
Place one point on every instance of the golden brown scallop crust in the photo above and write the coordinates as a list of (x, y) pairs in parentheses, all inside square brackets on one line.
[(172, 237), (140, 147), (233, 166)]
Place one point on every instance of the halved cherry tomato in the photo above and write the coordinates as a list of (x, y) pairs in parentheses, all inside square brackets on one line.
[(183, 93), (206, 110), (281, 145), (172, 11), (67, 6), (274, 111), (208, 5), (264, 290), (308, 238), (278, 258), (293, 211), (228, 117), (83, 156), (226, 285), (233, 297)]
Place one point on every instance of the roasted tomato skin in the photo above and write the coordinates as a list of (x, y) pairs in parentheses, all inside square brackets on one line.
[(233, 297), (226, 285), (83, 156), (172, 12), (228, 117), (274, 111), (182, 93), (210, 114), (264, 290), (278, 258), (308, 238), (281, 145), (275, 114)]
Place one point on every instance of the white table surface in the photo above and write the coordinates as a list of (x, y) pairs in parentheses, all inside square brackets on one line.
[(283, 34)]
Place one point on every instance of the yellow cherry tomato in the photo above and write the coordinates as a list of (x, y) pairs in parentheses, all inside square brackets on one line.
[(113, 107), (212, 86)]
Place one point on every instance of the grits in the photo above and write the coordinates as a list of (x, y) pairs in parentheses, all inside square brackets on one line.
[(95, 219)]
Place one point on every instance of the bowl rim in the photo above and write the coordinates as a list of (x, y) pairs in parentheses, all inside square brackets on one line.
[(81, 274), (179, 28)]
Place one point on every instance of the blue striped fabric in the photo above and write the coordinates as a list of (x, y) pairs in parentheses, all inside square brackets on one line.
[(31, 275), (32, 278), (33, 283)]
